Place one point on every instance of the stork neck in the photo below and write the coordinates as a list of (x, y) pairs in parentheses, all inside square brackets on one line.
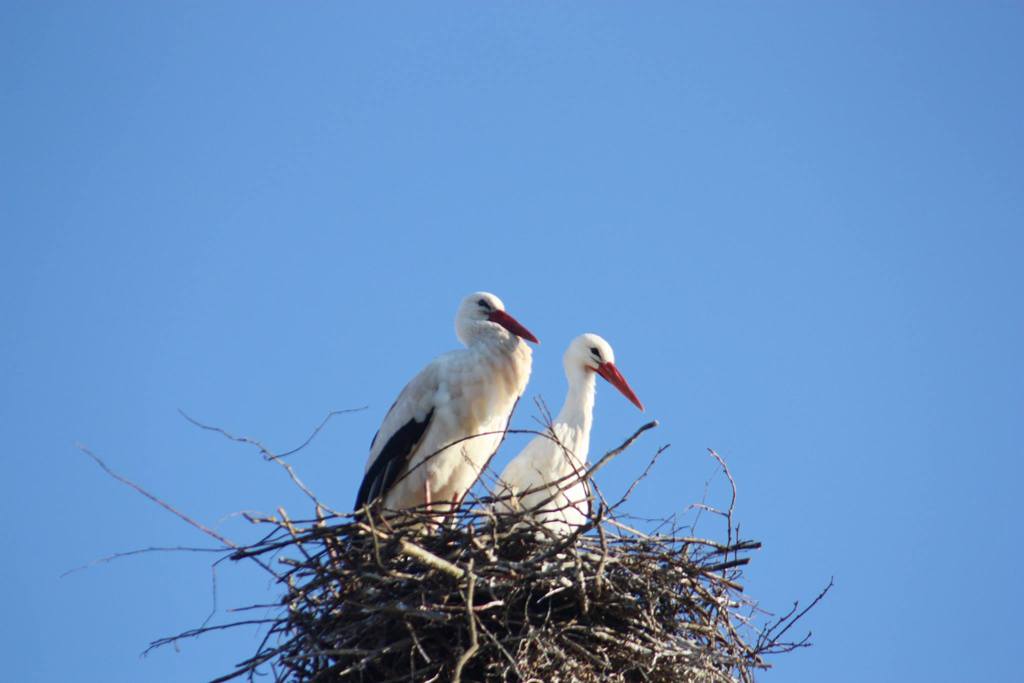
[(578, 409)]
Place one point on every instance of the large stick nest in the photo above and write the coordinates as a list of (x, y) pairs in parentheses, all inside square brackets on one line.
[(480, 597), (487, 601)]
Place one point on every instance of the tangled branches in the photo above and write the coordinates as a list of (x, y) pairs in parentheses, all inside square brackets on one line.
[(486, 597), (486, 600)]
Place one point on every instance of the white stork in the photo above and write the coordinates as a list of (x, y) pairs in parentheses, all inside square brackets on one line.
[(545, 478), (450, 419)]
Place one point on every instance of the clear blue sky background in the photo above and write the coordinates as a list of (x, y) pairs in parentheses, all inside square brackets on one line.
[(799, 224)]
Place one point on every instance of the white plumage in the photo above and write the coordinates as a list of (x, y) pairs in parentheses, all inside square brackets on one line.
[(545, 478), (449, 420)]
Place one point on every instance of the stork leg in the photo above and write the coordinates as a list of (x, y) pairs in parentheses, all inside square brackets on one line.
[(451, 517), (450, 520), (429, 508)]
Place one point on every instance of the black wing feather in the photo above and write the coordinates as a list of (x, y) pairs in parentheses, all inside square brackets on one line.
[(391, 461)]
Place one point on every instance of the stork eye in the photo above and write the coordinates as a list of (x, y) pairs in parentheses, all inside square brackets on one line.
[(593, 350), (483, 304)]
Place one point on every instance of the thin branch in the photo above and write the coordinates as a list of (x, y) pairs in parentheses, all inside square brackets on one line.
[(165, 505), (139, 551), (732, 485), (269, 455)]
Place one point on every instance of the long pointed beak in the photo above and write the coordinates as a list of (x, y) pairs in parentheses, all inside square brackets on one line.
[(615, 378), (512, 325)]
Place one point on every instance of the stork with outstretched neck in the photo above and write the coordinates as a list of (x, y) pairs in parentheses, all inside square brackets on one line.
[(546, 479), (450, 419)]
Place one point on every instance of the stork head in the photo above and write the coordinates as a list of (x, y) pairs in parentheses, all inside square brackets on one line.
[(482, 313), (593, 354)]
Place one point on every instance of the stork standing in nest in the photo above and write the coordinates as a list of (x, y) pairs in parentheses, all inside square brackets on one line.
[(545, 479), (450, 419)]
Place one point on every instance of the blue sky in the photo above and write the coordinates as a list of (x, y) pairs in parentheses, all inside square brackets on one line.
[(799, 225)]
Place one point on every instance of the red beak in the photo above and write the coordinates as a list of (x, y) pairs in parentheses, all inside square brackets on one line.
[(512, 325), (615, 378)]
